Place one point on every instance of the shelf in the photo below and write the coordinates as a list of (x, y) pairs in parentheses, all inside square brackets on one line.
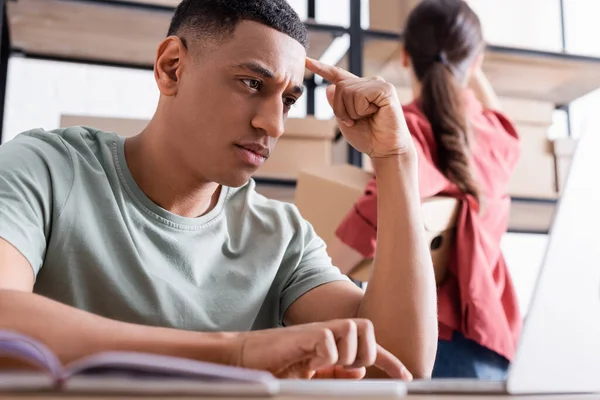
[(76, 30), (555, 77), (165, 5)]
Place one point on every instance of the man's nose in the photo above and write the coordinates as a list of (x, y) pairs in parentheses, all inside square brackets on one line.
[(270, 118)]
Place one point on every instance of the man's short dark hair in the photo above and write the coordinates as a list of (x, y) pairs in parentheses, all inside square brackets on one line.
[(218, 19)]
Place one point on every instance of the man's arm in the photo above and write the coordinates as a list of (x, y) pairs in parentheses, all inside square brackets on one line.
[(73, 333), (326, 349), (400, 299)]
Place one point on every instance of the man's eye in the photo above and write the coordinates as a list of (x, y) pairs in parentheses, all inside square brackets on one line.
[(252, 83), (289, 101)]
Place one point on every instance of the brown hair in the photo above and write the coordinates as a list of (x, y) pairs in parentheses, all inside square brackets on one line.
[(442, 39)]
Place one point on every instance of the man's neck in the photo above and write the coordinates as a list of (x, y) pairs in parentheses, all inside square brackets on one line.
[(161, 177)]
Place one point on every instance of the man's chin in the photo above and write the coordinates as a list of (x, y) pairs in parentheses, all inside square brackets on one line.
[(237, 180)]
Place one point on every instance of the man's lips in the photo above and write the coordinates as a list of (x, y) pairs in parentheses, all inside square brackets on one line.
[(256, 148), (253, 154)]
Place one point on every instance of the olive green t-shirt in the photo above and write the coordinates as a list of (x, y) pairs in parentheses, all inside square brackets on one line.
[(95, 241)]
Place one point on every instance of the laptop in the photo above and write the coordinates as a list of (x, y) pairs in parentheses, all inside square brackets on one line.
[(559, 348), (365, 388)]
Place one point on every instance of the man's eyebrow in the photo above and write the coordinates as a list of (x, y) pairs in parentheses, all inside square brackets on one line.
[(298, 90), (256, 68), (266, 73)]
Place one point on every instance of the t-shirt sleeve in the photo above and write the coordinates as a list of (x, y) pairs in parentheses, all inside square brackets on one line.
[(35, 179), (313, 268)]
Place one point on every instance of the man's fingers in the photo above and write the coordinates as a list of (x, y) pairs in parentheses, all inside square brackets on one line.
[(364, 107), (367, 346), (335, 99), (330, 93), (339, 107), (349, 101), (389, 364), (330, 73), (339, 372), (361, 107), (325, 352), (347, 342), (354, 100)]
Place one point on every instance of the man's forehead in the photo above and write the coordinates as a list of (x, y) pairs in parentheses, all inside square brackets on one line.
[(275, 50)]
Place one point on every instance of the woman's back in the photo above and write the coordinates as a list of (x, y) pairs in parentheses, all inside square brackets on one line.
[(493, 152)]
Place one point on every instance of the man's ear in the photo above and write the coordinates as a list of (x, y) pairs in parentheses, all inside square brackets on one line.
[(167, 68)]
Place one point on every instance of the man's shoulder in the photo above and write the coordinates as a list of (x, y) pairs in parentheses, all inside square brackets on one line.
[(62, 139), (58, 153)]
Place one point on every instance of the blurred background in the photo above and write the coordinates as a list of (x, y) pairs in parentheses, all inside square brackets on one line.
[(93, 58)]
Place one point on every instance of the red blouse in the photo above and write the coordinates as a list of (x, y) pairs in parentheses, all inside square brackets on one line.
[(477, 298)]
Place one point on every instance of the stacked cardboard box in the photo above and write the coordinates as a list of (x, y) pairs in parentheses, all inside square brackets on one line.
[(389, 15), (325, 195), (122, 126), (307, 143), (564, 149)]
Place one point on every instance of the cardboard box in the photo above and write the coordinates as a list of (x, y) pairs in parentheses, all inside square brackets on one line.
[(277, 192), (306, 143), (389, 15), (121, 126), (534, 175), (564, 149), (531, 216), (325, 195)]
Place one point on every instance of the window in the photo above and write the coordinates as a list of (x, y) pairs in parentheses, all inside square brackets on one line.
[(38, 92), (581, 27), (532, 24), (584, 114), (560, 125), (301, 7), (333, 12)]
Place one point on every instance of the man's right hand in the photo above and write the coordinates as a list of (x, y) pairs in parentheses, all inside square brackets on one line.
[(335, 349)]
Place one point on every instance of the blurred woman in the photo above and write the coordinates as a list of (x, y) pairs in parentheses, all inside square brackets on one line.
[(467, 150)]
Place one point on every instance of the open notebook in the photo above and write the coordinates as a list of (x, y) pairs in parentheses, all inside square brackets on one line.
[(142, 373), (124, 372)]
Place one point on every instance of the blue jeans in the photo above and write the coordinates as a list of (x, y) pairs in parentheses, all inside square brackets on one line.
[(464, 358)]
